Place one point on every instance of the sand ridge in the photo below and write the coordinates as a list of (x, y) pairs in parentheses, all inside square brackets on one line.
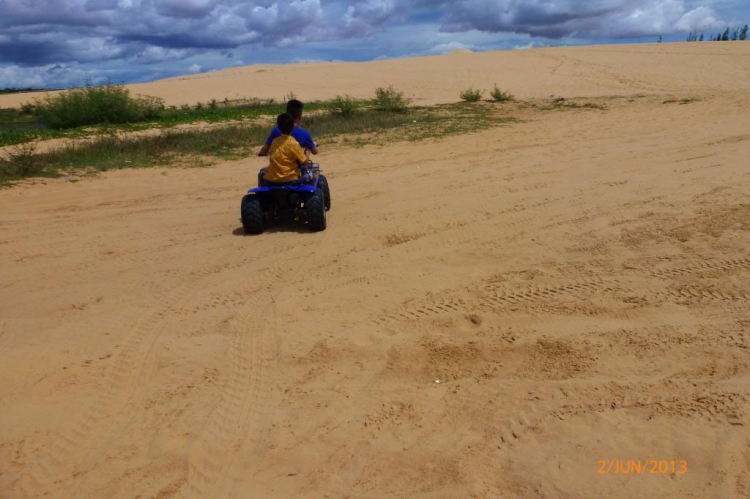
[(589, 71), (576, 282)]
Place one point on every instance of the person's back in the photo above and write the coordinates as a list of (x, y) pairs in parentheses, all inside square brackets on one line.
[(286, 154), (303, 137)]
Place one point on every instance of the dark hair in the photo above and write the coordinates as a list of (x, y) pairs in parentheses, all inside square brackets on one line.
[(285, 123), (294, 107)]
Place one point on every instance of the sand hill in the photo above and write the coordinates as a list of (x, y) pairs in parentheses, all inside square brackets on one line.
[(581, 71), (514, 313)]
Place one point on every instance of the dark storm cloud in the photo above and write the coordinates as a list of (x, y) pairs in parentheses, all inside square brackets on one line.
[(604, 19), (94, 25), (194, 24)]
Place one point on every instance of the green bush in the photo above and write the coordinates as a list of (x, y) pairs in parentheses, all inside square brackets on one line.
[(390, 100), (21, 162), (471, 95), (500, 96), (344, 105), (28, 108), (96, 105)]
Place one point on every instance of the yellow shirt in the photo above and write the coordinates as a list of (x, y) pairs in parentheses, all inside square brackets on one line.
[(286, 156)]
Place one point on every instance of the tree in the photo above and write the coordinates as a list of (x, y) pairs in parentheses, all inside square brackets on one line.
[(735, 34), (725, 36), (701, 38), (660, 38), (743, 33)]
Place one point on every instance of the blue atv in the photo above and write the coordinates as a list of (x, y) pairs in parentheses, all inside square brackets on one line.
[(306, 200)]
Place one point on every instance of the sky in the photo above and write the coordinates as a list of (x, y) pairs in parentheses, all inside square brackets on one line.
[(63, 43)]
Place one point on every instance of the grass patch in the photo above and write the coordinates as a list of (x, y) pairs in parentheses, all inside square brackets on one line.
[(212, 112), (471, 95), (561, 103), (13, 115), (501, 96), (345, 105), (681, 102), (367, 126)]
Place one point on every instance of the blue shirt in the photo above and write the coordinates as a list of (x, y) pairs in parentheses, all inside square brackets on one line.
[(303, 137)]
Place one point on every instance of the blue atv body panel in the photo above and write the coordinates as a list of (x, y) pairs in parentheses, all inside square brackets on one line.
[(289, 187)]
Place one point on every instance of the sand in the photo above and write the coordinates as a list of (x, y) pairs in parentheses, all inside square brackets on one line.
[(582, 71), (489, 315)]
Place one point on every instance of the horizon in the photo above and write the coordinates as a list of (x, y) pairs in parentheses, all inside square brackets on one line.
[(47, 45)]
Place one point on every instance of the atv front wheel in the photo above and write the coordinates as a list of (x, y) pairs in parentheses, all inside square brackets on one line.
[(316, 211), (252, 214), (323, 186)]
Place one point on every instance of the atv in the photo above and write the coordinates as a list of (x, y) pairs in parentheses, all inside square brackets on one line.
[(306, 200)]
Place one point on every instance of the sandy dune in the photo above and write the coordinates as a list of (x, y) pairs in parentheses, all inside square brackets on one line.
[(577, 283), (577, 72)]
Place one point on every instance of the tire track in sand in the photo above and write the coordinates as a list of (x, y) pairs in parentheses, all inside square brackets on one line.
[(245, 396), (501, 296), (96, 428)]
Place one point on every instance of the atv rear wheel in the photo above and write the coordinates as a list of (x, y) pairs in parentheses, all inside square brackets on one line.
[(252, 214), (316, 211), (323, 186)]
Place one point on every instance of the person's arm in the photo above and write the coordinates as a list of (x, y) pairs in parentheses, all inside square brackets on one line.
[(299, 154), (310, 143), (264, 150)]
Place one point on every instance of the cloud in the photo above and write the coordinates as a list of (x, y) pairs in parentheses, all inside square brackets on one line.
[(587, 19), (699, 19), (155, 54), (152, 38), (185, 8), (94, 30), (445, 48), (39, 77), (366, 17)]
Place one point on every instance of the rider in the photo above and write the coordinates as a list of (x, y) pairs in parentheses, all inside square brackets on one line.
[(293, 107), (286, 155)]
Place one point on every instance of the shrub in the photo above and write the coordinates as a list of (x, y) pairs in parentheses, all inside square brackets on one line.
[(471, 95), (390, 100), (21, 162), (344, 105), (96, 105), (500, 96)]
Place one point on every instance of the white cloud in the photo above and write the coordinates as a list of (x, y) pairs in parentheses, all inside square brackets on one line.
[(153, 54), (195, 68), (445, 48), (699, 19), (53, 75)]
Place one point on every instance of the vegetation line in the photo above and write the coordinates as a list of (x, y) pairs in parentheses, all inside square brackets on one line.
[(387, 118)]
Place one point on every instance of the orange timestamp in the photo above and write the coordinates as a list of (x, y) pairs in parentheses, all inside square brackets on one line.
[(640, 467)]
